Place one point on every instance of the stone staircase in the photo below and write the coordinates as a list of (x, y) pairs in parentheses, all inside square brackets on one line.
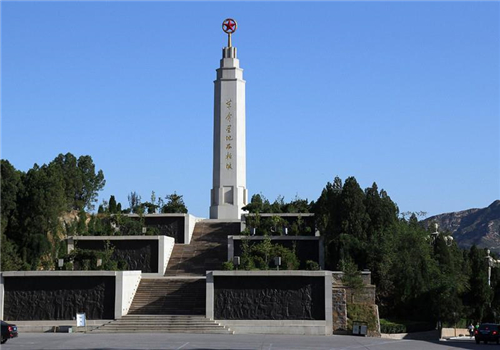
[(176, 302), (207, 251), (169, 296), (163, 324)]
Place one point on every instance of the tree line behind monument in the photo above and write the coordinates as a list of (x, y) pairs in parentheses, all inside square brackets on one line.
[(417, 278)]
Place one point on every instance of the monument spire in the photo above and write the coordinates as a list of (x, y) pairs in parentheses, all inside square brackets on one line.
[(229, 26), (229, 194)]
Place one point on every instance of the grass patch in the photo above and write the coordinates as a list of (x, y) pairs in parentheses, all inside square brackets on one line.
[(362, 313), (404, 326)]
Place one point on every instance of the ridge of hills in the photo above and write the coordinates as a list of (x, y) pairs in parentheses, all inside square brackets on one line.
[(479, 226)]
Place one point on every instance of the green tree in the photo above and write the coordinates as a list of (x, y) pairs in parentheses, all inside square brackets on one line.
[(11, 187), (81, 227), (261, 255), (175, 204), (40, 207), (380, 208), (34, 202), (92, 183), (10, 259), (134, 201), (383, 216), (480, 294), (297, 205), (327, 214), (451, 284), (353, 224), (67, 166), (258, 204), (112, 206), (81, 182), (413, 272), (351, 277)]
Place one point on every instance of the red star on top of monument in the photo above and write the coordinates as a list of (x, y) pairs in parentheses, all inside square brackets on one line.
[(229, 26)]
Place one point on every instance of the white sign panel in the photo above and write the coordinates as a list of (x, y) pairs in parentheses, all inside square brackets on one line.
[(80, 320)]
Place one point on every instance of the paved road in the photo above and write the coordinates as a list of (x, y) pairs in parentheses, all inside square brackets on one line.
[(55, 341)]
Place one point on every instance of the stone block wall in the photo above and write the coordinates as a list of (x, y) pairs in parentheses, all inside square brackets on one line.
[(339, 309), (342, 295), (363, 296)]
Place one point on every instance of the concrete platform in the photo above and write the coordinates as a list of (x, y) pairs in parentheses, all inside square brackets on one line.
[(276, 327), (56, 326)]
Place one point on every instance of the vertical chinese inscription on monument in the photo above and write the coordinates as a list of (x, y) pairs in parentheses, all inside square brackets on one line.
[(229, 136)]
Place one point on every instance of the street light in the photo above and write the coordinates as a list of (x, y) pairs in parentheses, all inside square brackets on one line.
[(448, 239), (491, 263), (277, 262), (236, 261)]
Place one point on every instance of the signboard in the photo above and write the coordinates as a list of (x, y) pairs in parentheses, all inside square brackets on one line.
[(80, 320)]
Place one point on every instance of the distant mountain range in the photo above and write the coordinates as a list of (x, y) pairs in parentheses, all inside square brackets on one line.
[(473, 226)]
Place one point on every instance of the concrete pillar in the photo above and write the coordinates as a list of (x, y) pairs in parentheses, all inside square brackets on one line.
[(229, 193)]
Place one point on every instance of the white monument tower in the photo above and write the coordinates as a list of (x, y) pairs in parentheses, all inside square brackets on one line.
[(229, 193)]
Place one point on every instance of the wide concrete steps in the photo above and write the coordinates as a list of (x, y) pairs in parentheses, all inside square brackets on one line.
[(207, 251), (170, 296), (163, 324)]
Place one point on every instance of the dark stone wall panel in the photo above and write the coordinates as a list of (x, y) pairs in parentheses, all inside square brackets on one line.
[(59, 298), (139, 254), (168, 226), (269, 298), (305, 249)]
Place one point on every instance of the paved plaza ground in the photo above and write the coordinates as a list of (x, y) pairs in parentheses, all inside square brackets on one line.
[(55, 341)]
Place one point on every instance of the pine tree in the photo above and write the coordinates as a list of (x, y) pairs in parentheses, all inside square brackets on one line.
[(175, 204), (479, 297), (112, 207)]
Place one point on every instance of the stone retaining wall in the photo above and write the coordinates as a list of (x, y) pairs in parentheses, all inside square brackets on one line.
[(148, 254), (339, 309), (289, 302), (60, 295)]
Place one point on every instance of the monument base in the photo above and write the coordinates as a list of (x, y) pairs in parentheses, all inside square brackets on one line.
[(227, 203), (226, 212)]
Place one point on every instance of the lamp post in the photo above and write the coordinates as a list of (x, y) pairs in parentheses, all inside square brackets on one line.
[(277, 262), (236, 262), (448, 239), (491, 263)]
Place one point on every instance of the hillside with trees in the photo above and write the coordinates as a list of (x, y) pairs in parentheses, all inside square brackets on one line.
[(480, 227), (418, 276), (33, 204), (41, 207)]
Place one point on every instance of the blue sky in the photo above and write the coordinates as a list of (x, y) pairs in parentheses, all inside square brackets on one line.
[(404, 94)]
